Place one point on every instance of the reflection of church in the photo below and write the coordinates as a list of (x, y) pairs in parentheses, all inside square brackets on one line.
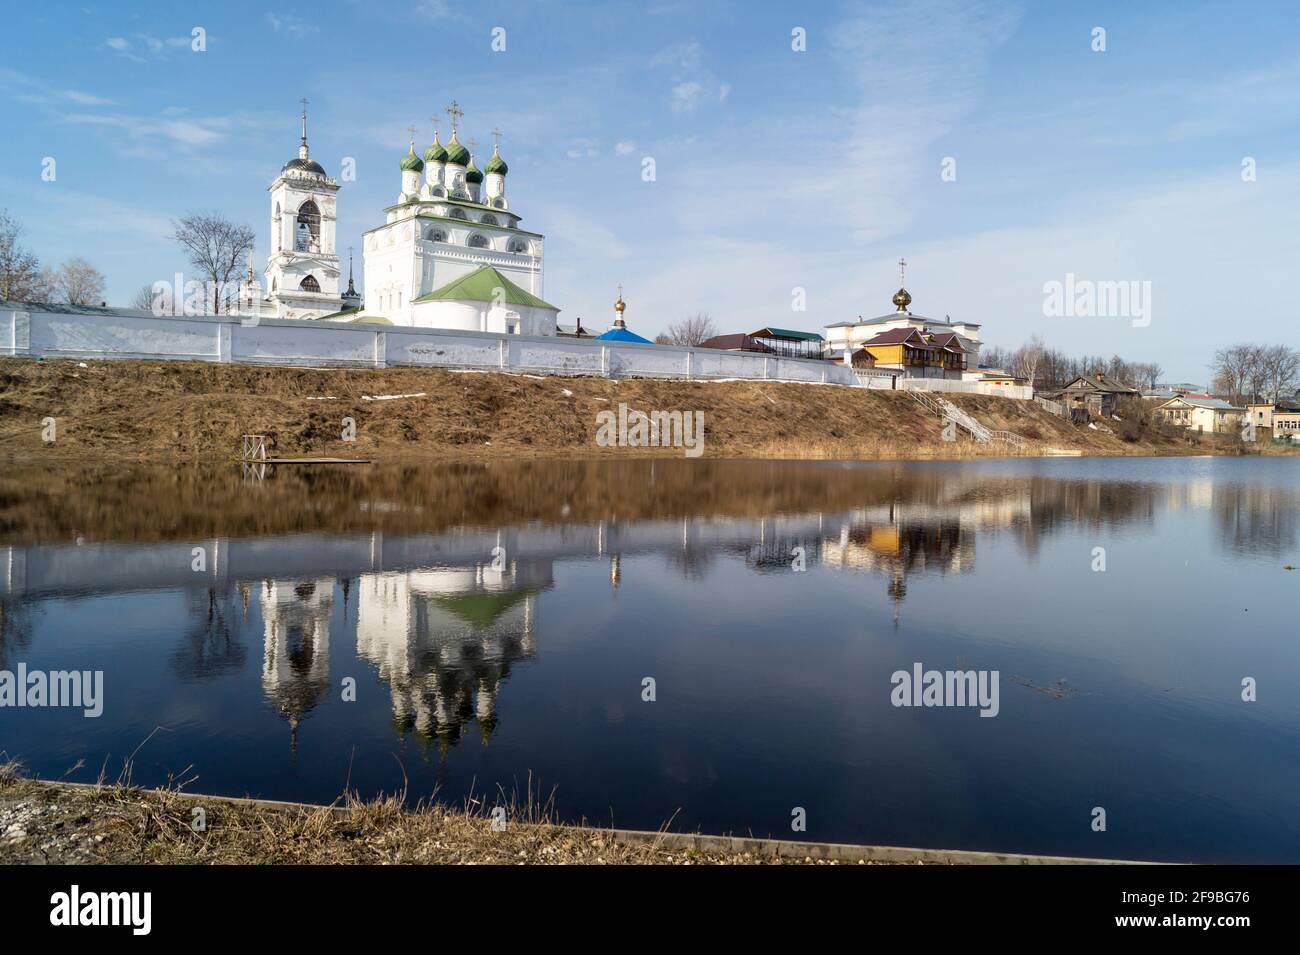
[(899, 549), (296, 645), (444, 639)]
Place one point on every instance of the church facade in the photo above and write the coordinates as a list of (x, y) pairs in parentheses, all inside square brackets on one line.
[(451, 252)]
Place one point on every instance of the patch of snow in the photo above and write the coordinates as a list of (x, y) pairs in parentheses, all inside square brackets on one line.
[(418, 394)]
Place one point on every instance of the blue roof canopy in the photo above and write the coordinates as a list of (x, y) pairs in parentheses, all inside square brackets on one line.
[(622, 335)]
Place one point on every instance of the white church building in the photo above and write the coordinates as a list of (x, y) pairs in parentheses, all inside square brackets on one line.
[(449, 254)]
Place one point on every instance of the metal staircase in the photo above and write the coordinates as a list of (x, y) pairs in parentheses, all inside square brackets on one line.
[(943, 408)]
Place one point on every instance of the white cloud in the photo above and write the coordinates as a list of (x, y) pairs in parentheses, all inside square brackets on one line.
[(686, 96), (291, 24), (624, 147)]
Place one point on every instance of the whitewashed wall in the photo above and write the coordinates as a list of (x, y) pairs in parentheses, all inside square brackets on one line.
[(1021, 392), (38, 332)]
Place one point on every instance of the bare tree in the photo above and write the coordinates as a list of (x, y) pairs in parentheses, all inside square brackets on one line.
[(1279, 371), (77, 282), (21, 278), (1028, 359), (692, 331), (663, 339), (143, 298), (1232, 371), (216, 247)]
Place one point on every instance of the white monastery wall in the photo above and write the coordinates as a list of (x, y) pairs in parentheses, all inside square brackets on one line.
[(272, 341)]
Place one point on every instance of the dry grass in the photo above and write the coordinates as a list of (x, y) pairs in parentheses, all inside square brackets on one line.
[(175, 411), (120, 823)]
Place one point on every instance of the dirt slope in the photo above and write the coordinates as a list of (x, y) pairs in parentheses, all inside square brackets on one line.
[(171, 411)]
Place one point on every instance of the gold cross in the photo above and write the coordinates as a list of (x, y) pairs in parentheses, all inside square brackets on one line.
[(455, 112)]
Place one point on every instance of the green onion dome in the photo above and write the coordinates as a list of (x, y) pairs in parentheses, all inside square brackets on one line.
[(456, 153), (472, 173), (496, 163), (435, 152), (411, 162)]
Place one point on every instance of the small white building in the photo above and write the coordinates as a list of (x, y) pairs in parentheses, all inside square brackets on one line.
[(846, 338), (1211, 415)]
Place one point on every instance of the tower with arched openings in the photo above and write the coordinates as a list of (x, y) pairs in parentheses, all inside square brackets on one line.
[(302, 270)]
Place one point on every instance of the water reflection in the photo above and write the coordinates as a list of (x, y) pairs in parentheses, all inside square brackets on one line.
[(444, 639), (440, 585)]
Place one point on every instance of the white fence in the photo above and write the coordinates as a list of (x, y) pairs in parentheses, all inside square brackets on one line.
[(1021, 392), (45, 331)]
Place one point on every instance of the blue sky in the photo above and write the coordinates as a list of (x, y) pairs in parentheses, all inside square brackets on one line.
[(775, 169)]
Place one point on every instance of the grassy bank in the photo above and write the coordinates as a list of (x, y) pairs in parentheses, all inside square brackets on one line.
[(58, 823), (49, 823), (176, 411)]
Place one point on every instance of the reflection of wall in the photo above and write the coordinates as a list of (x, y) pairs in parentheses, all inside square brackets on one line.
[(295, 660), (443, 639)]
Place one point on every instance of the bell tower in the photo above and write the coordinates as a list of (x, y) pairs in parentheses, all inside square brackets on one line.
[(302, 271)]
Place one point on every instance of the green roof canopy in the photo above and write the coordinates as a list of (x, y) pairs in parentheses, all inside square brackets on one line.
[(482, 285), (786, 333)]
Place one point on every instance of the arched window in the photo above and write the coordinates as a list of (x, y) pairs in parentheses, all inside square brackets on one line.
[(436, 235), (499, 202), (307, 228), (309, 284), (490, 220), (458, 214), (518, 246), (477, 241)]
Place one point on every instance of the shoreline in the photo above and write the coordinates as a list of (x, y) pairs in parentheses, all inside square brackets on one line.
[(43, 821)]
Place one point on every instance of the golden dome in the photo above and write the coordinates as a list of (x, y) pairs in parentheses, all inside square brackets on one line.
[(620, 305), (902, 299)]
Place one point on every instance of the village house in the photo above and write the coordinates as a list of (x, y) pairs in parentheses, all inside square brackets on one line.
[(1210, 415), (1097, 393), (1282, 418)]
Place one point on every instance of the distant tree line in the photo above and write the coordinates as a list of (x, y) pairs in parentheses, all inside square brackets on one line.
[(1246, 373), (1048, 369), (23, 279)]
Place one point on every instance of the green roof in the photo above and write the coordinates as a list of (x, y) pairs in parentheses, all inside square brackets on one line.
[(456, 153), (435, 152), (347, 311), (496, 163), (786, 333), (370, 320), (472, 173), (482, 285), (481, 610), (412, 162)]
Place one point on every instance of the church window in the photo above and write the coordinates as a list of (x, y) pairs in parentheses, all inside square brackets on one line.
[(307, 228), (518, 246), (499, 203), (477, 241), (309, 284), (490, 220), (436, 235), (458, 214)]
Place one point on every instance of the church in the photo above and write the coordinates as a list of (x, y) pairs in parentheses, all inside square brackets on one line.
[(450, 252)]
